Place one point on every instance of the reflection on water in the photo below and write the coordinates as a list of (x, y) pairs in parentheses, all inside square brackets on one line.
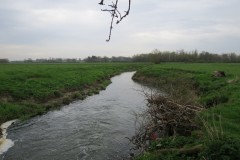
[(94, 128)]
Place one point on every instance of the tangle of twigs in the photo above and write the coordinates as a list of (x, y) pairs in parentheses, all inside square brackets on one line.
[(165, 116), (115, 14)]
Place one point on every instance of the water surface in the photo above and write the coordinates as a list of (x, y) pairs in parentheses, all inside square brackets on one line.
[(94, 128)]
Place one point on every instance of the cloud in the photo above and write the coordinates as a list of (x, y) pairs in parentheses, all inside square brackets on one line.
[(43, 28)]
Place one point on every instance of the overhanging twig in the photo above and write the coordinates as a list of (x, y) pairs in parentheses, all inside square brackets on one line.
[(115, 14)]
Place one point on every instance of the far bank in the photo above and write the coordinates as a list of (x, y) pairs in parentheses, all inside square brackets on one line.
[(217, 132), (27, 90)]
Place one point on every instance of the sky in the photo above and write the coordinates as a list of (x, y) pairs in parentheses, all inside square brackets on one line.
[(77, 28)]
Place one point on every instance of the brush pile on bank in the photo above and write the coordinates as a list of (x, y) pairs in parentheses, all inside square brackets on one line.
[(165, 117), (172, 126)]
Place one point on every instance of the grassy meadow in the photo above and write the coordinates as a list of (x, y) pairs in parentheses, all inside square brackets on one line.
[(220, 96), (27, 90), (31, 89)]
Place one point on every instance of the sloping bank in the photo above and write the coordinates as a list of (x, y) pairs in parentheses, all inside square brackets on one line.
[(213, 133), (28, 90)]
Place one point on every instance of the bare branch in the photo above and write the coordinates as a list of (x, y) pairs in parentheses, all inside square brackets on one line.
[(126, 12), (115, 14), (101, 3)]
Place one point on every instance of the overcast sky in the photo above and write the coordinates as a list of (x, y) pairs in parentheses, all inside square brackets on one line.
[(77, 28)]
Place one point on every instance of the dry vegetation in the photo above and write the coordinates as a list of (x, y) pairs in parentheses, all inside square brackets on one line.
[(176, 125)]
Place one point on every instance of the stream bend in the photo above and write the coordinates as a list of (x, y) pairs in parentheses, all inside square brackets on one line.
[(92, 129)]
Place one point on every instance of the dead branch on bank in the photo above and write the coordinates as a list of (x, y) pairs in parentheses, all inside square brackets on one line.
[(115, 14), (165, 117)]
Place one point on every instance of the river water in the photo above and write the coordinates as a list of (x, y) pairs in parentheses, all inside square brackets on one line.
[(92, 129)]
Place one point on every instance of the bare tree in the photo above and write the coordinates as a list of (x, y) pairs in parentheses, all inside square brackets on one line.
[(115, 14)]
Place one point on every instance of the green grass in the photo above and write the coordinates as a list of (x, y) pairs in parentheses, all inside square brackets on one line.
[(216, 93), (30, 89), (221, 96)]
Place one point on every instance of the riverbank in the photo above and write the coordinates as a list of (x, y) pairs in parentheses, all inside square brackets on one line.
[(5, 143), (94, 128), (218, 132), (27, 90)]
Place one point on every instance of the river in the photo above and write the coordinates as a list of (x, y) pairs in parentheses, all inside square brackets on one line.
[(91, 129)]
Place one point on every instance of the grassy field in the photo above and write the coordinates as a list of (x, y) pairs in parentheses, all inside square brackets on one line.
[(31, 89), (27, 90), (220, 95)]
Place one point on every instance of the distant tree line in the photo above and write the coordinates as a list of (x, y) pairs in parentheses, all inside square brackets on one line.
[(53, 60), (107, 59), (157, 56), (4, 60), (89, 59)]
